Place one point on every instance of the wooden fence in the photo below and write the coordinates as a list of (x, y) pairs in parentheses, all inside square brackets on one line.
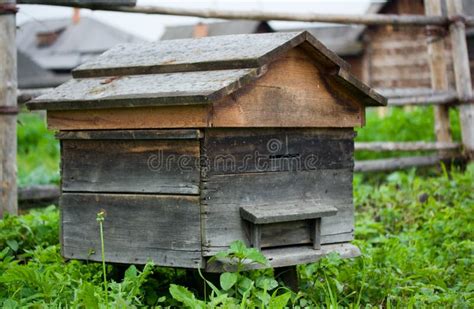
[(440, 96)]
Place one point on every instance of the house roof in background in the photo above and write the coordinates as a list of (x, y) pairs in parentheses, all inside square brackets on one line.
[(343, 40), (217, 28), (31, 75), (75, 44)]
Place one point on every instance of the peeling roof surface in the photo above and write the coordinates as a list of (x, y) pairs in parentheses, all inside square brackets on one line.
[(190, 71)]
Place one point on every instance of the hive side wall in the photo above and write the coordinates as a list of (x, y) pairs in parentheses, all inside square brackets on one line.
[(287, 167), (148, 186)]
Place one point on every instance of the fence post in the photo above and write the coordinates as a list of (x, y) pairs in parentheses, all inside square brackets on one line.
[(8, 108), (438, 71), (462, 74)]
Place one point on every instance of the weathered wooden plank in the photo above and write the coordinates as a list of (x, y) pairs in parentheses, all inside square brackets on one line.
[(231, 151), (406, 146), (223, 195), (145, 90), (147, 166), (392, 164), (195, 116), (82, 3), (293, 93), (209, 53), (276, 214), (137, 228), (285, 234), (8, 119), (462, 76), (280, 257), (130, 134)]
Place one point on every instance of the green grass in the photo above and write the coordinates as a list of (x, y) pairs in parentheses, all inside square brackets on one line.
[(416, 234), (38, 151), (400, 125)]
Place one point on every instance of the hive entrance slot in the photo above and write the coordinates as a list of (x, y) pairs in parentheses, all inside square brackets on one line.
[(273, 226)]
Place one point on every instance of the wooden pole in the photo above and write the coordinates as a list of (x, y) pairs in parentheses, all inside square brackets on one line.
[(406, 146), (438, 70), (462, 75), (8, 108), (366, 19)]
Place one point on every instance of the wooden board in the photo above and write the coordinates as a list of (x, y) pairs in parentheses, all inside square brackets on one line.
[(265, 150), (208, 53), (130, 118), (281, 257), (131, 134), (137, 228), (143, 166), (275, 214), (186, 88), (223, 195), (285, 234), (82, 3), (293, 93)]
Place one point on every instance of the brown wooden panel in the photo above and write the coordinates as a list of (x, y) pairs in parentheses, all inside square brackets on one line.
[(223, 195), (294, 93), (130, 118), (148, 166), (285, 234), (175, 134), (137, 228), (231, 151)]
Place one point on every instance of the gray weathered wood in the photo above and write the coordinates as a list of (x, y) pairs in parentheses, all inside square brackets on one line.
[(285, 234), (223, 195), (25, 95), (145, 90), (130, 134), (462, 76), (209, 53), (231, 151), (366, 19), (148, 166), (38, 193), (82, 3), (366, 95), (280, 257), (380, 165), (406, 146), (8, 138), (137, 228), (275, 213), (317, 234), (439, 75), (256, 236)]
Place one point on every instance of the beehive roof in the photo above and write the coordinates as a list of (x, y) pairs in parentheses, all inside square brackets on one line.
[(189, 71)]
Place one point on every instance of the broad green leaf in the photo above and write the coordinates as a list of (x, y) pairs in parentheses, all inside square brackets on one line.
[(13, 244), (182, 294), (228, 280), (280, 301), (131, 272)]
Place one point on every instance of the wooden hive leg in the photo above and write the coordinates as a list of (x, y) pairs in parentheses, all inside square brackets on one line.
[(289, 276), (317, 234)]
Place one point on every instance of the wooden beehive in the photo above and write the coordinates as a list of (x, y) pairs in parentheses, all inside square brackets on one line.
[(189, 145)]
